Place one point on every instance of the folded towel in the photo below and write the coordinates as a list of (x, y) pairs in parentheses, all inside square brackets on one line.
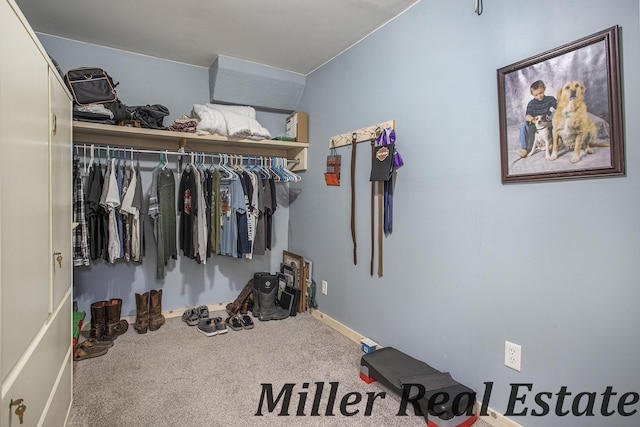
[(238, 109), (241, 126), (211, 120)]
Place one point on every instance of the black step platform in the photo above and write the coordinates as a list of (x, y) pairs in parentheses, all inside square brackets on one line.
[(443, 401)]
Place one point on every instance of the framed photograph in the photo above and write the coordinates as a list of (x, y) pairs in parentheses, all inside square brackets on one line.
[(561, 112), (308, 265), (297, 263)]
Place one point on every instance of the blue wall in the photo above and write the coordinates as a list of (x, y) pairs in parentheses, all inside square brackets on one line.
[(552, 266)]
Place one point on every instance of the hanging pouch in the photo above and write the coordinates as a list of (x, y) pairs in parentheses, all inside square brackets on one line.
[(332, 175)]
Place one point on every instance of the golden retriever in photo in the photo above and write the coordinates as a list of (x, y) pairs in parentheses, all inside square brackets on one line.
[(572, 127)]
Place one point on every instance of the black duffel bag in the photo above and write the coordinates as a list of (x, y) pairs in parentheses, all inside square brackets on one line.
[(91, 85), (149, 116)]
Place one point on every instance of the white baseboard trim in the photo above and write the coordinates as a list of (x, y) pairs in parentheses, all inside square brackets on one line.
[(494, 418), (344, 330)]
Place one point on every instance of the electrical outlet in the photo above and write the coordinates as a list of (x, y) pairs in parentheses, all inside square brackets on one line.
[(512, 356), (325, 285)]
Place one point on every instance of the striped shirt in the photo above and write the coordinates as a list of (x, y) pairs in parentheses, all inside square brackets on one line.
[(537, 108)]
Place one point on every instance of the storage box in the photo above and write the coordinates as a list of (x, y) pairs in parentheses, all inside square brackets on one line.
[(368, 345), (297, 126)]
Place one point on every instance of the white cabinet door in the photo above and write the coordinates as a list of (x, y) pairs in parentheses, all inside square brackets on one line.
[(61, 190), (35, 222), (24, 189)]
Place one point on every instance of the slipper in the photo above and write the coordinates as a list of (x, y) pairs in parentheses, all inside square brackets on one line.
[(202, 311), (191, 317), (207, 327), (82, 354), (247, 323), (221, 327), (92, 343), (234, 323)]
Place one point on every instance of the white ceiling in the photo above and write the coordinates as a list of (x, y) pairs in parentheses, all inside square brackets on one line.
[(294, 35)]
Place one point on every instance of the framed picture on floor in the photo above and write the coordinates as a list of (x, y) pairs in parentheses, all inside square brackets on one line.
[(561, 112), (296, 262), (308, 270)]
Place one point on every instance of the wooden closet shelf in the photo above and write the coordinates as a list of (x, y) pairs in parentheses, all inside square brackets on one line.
[(123, 136)]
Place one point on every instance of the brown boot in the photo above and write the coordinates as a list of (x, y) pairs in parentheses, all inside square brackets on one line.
[(142, 313), (115, 326), (234, 307), (98, 320), (156, 319)]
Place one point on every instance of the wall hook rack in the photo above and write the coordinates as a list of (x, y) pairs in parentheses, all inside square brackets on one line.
[(363, 134)]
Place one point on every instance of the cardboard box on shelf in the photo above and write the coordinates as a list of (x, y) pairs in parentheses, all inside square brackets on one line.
[(297, 126)]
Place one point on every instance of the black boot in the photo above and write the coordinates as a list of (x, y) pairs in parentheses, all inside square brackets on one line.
[(267, 293), (255, 310)]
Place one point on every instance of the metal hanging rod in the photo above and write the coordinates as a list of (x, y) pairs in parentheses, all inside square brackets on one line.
[(180, 152)]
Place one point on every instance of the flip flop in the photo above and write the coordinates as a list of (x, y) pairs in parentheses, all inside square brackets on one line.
[(82, 354), (234, 323), (92, 343), (247, 323)]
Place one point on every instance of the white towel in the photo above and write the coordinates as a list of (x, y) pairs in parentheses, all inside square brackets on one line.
[(229, 120), (211, 120), (238, 109), (241, 126)]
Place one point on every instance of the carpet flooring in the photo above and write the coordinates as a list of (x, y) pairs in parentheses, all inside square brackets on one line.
[(177, 376)]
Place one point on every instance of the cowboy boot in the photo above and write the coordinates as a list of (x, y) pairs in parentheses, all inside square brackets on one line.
[(115, 326), (98, 320), (142, 313), (156, 319), (233, 307), (267, 293)]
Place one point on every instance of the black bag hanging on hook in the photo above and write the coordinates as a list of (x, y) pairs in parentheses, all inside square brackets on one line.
[(382, 162)]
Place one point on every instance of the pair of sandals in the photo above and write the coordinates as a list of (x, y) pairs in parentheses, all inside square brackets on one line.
[(91, 348), (239, 322), (193, 315)]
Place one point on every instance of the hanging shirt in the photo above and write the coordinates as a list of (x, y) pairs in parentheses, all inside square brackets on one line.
[(95, 213), (187, 206), (137, 203), (231, 203), (270, 209), (111, 197), (252, 213), (260, 238), (215, 212), (132, 215), (80, 232), (201, 234), (241, 215)]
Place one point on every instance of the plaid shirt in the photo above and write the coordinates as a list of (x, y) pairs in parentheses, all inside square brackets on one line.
[(80, 239)]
